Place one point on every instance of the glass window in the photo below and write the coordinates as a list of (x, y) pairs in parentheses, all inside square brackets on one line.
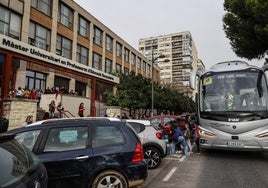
[(97, 61), (10, 23), (82, 55), (133, 59), (118, 50), (113, 136), (126, 55), (28, 138), (39, 36), (109, 43), (126, 71), (138, 62), (61, 83), (66, 139), (118, 68), (66, 16), (80, 88), (35, 80), (83, 28), (42, 5), (64, 47), (108, 65), (144, 66), (97, 36)]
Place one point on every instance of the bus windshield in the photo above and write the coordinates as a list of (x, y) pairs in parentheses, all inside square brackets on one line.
[(240, 91)]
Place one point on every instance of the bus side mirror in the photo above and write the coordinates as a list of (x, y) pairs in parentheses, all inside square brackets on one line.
[(193, 80)]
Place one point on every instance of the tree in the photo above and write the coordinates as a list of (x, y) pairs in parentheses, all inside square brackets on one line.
[(246, 25)]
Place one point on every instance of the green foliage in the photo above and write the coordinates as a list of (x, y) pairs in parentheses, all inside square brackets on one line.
[(246, 25), (135, 92)]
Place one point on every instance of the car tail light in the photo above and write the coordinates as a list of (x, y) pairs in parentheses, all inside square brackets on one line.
[(159, 135), (138, 153)]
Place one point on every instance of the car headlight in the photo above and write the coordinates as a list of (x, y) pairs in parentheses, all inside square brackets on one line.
[(205, 133)]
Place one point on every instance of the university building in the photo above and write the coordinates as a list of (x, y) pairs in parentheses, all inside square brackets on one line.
[(57, 43)]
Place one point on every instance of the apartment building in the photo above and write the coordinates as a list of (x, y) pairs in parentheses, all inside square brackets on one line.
[(57, 43), (180, 51)]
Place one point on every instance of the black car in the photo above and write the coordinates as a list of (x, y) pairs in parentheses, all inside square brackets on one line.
[(87, 152), (19, 167)]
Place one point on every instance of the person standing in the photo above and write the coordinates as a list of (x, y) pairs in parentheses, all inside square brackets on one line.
[(197, 139), (81, 110), (51, 108), (60, 109)]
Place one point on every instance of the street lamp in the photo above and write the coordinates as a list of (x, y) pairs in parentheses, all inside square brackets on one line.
[(153, 61)]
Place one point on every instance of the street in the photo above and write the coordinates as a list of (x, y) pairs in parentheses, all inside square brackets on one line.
[(214, 168)]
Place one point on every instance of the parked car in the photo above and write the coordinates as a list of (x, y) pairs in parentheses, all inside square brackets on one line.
[(154, 145), (87, 152), (19, 166), (162, 122)]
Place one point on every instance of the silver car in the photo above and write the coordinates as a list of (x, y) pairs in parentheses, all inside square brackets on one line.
[(154, 145)]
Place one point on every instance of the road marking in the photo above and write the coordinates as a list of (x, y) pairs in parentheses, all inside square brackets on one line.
[(182, 158), (170, 174)]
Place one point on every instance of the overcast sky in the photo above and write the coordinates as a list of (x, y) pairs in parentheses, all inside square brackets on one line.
[(136, 19)]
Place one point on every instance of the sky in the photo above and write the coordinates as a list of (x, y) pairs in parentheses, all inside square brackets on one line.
[(135, 19)]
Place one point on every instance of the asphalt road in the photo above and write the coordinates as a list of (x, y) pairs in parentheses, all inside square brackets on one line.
[(219, 169)]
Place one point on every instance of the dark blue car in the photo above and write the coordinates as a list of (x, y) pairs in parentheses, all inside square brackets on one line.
[(84, 152)]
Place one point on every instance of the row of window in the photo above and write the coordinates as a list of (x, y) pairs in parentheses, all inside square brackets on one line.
[(40, 36)]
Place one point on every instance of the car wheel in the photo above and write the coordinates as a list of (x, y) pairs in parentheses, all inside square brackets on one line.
[(152, 157), (110, 178)]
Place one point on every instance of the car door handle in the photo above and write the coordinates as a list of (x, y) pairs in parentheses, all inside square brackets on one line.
[(82, 157)]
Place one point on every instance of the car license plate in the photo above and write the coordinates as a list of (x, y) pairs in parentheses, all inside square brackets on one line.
[(235, 144)]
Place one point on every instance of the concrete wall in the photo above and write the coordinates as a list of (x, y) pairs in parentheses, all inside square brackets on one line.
[(16, 110)]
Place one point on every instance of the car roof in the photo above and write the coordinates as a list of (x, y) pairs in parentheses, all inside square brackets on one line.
[(6, 136), (142, 121), (58, 120)]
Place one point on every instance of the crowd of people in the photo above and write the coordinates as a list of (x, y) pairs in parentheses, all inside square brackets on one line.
[(36, 93), (182, 138)]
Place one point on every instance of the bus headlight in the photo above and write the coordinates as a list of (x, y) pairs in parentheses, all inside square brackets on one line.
[(263, 134), (206, 133)]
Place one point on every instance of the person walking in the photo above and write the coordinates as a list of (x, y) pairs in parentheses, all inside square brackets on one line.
[(81, 110)]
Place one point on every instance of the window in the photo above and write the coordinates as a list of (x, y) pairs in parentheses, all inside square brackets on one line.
[(126, 55), (97, 36), (118, 68), (144, 66), (66, 16), (126, 71), (118, 50), (10, 23), (35, 80), (42, 5), (133, 59), (83, 28), (113, 136), (28, 138), (109, 43), (139, 63), (80, 88), (97, 61), (61, 83), (82, 55), (64, 47), (39, 36), (66, 139), (108, 65)]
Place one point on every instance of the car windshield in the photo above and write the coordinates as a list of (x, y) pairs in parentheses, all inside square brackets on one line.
[(233, 91)]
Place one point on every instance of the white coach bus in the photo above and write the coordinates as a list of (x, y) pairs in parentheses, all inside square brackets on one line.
[(232, 106)]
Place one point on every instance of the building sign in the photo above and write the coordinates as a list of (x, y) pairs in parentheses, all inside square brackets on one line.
[(37, 53)]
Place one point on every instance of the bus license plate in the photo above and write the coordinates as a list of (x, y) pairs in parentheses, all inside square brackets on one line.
[(235, 144)]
